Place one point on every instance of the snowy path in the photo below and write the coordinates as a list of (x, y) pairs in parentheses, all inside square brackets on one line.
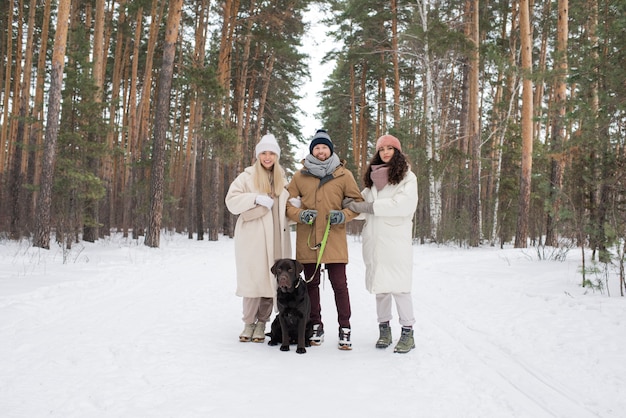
[(527, 387), (122, 330)]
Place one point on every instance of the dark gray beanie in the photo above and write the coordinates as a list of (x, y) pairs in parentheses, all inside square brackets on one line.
[(321, 137)]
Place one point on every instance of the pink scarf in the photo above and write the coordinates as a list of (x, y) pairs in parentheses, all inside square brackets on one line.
[(380, 175)]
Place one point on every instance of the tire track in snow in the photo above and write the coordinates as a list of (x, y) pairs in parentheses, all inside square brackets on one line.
[(546, 396)]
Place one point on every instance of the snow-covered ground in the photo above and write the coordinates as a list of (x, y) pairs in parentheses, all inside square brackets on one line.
[(117, 329)]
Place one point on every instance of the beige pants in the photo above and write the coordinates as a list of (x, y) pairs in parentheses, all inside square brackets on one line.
[(404, 305), (257, 309)]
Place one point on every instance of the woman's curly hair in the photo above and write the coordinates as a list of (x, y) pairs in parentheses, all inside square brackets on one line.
[(398, 166)]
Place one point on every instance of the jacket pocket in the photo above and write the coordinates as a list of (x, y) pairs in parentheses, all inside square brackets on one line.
[(394, 222), (254, 213)]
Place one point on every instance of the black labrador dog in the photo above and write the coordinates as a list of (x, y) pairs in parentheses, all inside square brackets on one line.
[(291, 325)]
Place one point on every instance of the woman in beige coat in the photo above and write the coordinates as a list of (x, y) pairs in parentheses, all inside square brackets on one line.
[(258, 196)]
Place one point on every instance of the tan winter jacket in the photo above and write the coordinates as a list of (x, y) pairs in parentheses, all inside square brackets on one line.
[(323, 198)]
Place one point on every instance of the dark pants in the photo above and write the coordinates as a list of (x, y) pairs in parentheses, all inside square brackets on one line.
[(339, 282)]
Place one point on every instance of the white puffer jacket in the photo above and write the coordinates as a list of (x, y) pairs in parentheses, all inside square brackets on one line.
[(387, 236)]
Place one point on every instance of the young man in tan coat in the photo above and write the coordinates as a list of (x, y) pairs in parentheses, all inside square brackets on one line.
[(316, 193)]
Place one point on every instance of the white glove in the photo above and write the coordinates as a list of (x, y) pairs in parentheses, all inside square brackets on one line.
[(296, 202), (264, 200)]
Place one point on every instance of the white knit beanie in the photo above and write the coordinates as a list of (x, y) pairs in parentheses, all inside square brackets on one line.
[(267, 143)]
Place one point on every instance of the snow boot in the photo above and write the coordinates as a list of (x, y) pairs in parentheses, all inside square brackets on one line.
[(384, 340), (406, 343), (246, 334), (258, 336), (344, 339), (318, 335)]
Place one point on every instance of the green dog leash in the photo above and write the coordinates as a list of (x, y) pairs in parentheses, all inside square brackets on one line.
[(321, 246)]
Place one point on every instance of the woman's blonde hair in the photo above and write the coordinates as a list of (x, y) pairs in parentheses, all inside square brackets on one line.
[(269, 181)]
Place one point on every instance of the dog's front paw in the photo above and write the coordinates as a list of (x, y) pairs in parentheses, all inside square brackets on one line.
[(284, 348), (301, 350), (272, 343)]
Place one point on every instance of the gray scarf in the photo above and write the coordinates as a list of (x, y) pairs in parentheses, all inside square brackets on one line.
[(321, 169)]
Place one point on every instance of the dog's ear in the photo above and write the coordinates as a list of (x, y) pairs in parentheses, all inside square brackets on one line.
[(273, 269), (299, 266)]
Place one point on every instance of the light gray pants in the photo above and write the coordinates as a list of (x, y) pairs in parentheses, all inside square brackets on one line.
[(404, 305), (257, 309)]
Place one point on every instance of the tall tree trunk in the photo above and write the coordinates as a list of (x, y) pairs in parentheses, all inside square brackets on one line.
[(381, 108), (512, 87), (141, 130), (432, 132), (542, 58), (35, 159), (235, 166), (363, 120), (497, 126), (161, 123), (131, 136), (15, 104), (521, 235), (268, 68), (559, 133), (198, 192), (474, 126), (222, 113), (44, 201), (395, 61), (598, 239), (193, 155), (19, 159), (356, 146), (113, 173), (91, 229), (5, 139), (498, 166), (247, 127), (179, 128), (214, 204), (239, 93)]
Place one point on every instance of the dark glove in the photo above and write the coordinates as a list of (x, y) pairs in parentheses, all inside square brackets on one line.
[(307, 216), (336, 217), (346, 201), (361, 207)]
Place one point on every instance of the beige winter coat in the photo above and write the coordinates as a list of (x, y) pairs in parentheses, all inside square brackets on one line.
[(323, 198), (254, 237)]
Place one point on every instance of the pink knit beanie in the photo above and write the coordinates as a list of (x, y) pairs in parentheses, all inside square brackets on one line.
[(388, 140)]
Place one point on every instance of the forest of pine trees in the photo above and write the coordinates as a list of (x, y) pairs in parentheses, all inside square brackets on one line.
[(134, 116)]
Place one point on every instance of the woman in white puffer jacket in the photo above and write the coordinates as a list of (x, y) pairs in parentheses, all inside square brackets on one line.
[(390, 202)]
